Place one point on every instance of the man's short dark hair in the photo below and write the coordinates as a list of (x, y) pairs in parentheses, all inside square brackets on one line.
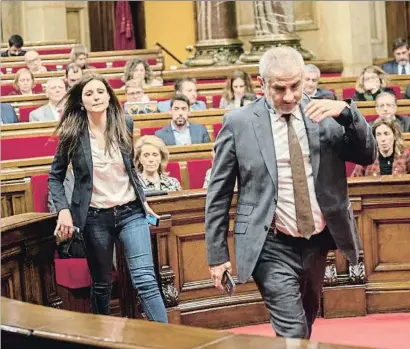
[(180, 82), (398, 43), (16, 41), (248, 97), (72, 66), (180, 97)]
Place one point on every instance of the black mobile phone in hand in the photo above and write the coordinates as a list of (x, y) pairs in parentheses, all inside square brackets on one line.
[(228, 283), (152, 220)]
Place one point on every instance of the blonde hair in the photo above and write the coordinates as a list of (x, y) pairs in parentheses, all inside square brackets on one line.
[(155, 142), (228, 94), (18, 74), (395, 128), (77, 51), (132, 65), (371, 69), (133, 84)]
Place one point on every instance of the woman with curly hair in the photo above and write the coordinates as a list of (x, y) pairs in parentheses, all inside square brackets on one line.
[(372, 81), (138, 69)]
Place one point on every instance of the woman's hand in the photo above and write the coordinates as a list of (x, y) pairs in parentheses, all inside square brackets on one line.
[(64, 228), (149, 210)]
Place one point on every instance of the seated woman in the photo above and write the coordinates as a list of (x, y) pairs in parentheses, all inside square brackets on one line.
[(23, 83), (79, 56), (236, 86), (393, 158), (138, 69), (151, 159), (372, 81)]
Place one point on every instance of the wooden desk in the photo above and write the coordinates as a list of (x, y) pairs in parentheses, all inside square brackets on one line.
[(31, 326)]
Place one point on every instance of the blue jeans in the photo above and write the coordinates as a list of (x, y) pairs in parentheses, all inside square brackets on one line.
[(128, 223)]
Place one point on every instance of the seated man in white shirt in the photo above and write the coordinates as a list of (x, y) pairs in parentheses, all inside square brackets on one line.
[(180, 131), (401, 63), (33, 62), (55, 91), (187, 87), (311, 79)]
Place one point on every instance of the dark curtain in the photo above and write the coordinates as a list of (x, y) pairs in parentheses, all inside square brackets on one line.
[(138, 20), (398, 22), (124, 38), (102, 25)]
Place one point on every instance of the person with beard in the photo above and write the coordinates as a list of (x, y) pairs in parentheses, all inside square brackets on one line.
[(15, 44), (180, 131), (401, 63)]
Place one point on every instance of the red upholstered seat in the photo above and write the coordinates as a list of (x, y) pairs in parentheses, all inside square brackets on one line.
[(348, 93), (5, 90), (25, 112), (149, 131), (39, 189), (38, 88), (397, 91), (28, 147), (54, 51), (196, 172), (174, 170), (210, 81), (349, 168), (119, 64), (99, 65), (371, 118), (115, 83), (202, 98), (152, 61), (72, 273), (217, 128), (216, 101)]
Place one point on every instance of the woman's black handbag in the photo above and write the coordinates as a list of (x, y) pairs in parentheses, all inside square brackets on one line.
[(72, 248)]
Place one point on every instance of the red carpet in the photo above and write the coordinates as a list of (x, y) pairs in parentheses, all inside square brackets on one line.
[(387, 331)]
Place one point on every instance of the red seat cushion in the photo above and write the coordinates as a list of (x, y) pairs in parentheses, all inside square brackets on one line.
[(38, 88), (72, 273), (115, 83), (149, 131), (397, 91), (39, 189), (196, 172), (371, 118), (25, 112), (217, 128), (152, 61), (99, 65), (348, 93), (119, 64), (202, 98), (216, 101), (54, 51), (349, 168), (5, 90), (210, 81), (174, 170), (28, 147)]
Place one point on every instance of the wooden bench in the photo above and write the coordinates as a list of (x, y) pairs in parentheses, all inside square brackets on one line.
[(45, 47)]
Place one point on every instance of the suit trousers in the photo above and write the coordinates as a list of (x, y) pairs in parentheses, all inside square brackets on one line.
[(289, 274)]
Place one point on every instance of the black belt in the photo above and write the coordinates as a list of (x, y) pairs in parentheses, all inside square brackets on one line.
[(115, 208)]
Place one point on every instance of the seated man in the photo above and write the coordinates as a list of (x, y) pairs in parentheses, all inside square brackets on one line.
[(33, 62), (15, 45), (407, 94), (55, 91), (135, 92), (8, 114), (386, 108), (187, 87), (400, 65), (311, 79), (180, 131), (73, 73)]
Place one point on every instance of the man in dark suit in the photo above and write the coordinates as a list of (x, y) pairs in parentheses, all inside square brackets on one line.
[(180, 131), (8, 114), (311, 81), (288, 157), (407, 95), (401, 63), (386, 108), (15, 45)]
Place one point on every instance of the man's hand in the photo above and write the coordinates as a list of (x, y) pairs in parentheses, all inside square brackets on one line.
[(319, 109), (217, 271)]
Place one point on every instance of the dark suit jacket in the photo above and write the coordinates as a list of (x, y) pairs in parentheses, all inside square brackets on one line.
[(8, 114), (6, 53), (82, 166), (390, 67), (404, 122), (68, 189), (360, 97), (407, 92), (198, 132), (245, 151), (324, 93)]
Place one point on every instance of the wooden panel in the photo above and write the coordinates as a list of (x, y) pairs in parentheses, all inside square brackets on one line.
[(102, 20), (73, 25), (397, 21), (305, 15)]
